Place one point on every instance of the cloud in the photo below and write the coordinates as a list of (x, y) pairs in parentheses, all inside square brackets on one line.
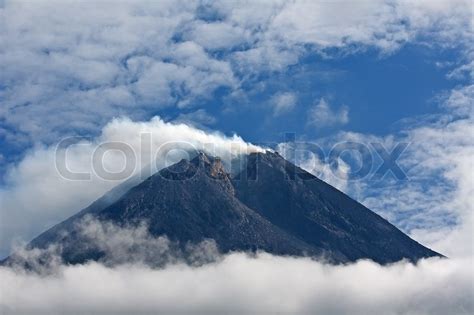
[(199, 118), (321, 115), (437, 204), (36, 196), (217, 35), (296, 28), (70, 68), (113, 245), (87, 64), (465, 71), (283, 102), (234, 283), (242, 284)]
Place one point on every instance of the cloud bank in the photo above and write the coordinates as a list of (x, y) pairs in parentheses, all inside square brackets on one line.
[(198, 280), (244, 284)]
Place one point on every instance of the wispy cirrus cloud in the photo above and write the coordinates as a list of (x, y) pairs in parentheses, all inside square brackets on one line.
[(283, 102), (322, 115), (199, 118)]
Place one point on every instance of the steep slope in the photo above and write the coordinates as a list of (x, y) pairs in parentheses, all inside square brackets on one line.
[(319, 214), (55, 233), (188, 202)]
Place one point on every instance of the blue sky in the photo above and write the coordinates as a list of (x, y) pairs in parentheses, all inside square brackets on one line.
[(379, 90), (366, 71)]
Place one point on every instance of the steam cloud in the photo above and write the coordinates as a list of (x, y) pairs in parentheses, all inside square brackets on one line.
[(36, 196)]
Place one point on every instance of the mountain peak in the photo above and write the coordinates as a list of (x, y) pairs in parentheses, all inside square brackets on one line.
[(272, 205), (213, 166), (201, 158)]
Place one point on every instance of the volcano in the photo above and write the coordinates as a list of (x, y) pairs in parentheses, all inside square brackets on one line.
[(271, 205)]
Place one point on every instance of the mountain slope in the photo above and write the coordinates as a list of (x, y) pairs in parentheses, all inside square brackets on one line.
[(272, 206), (319, 214), (188, 202)]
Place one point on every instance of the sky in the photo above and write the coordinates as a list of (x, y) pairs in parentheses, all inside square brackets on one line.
[(293, 76)]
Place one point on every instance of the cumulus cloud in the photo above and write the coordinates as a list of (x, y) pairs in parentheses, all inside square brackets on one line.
[(217, 35), (243, 284), (36, 195), (322, 115), (72, 67), (89, 63), (386, 25)]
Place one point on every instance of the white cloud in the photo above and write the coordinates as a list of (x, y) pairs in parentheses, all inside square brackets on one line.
[(283, 102), (217, 35), (321, 115), (91, 63), (232, 283), (465, 71), (199, 118), (437, 203), (243, 284), (290, 27), (35, 196), (71, 67)]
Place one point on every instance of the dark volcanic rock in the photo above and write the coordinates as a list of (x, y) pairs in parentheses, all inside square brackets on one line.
[(319, 214), (193, 201), (272, 206)]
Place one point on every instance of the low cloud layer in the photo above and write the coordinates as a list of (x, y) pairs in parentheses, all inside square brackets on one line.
[(142, 273), (244, 284)]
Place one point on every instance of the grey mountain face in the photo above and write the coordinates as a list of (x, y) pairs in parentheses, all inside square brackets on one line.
[(271, 206), (322, 216)]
